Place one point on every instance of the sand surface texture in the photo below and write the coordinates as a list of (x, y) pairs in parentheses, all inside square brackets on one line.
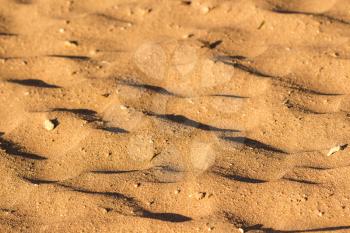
[(174, 116)]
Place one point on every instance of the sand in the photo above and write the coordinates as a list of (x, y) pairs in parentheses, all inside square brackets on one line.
[(174, 116)]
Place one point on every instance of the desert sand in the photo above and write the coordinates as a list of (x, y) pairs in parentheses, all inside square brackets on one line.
[(174, 116)]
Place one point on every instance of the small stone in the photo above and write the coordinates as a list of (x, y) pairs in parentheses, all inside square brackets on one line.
[(335, 54), (93, 52), (49, 125), (61, 30), (177, 191), (104, 210), (137, 185), (199, 195), (204, 9), (188, 36), (7, 211), (185, 2), (210, 228), (336, 149), (123, 107), (71, 43), (240, 230), (150, 203), (320, 213)]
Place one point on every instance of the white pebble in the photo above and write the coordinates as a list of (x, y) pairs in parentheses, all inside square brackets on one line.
[(123, 107), (71, 43), (336, 149), (204, 9), (49, 125)]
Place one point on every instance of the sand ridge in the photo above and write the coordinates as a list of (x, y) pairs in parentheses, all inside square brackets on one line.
[(174, 116)]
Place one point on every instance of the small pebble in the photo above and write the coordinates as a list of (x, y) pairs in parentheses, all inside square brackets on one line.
[(150, 203), (204, 9), (61, 30), (336, 149), (335, 54), (71, 43), (104, 211), (145, 11), (199, 195), (123, 107), (49, 125), (94, 52), (240, 230), (186, 2)]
